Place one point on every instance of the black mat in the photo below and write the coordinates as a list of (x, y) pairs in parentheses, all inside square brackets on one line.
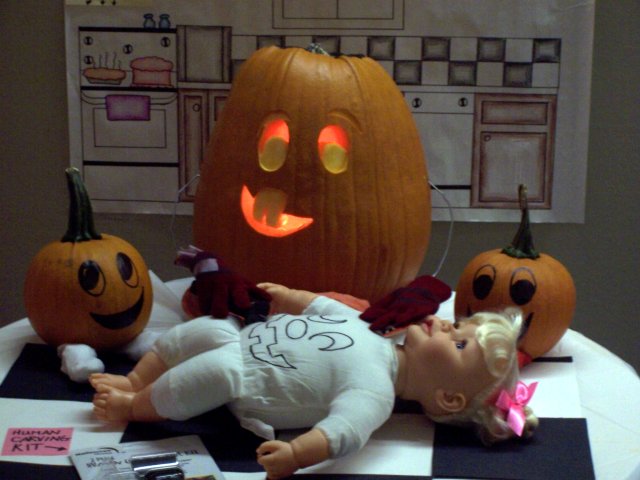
[(29, 471), (36, 375), (559, 450)]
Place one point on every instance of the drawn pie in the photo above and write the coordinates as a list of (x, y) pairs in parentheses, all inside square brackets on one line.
[(104, 76)]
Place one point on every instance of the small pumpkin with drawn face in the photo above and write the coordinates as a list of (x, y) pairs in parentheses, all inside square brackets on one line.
[(519, 276), (88, 288)]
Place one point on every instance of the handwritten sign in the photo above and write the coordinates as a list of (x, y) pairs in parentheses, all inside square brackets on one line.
[(37, 441)]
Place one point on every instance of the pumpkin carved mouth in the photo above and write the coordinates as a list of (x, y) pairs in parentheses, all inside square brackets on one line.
[(123, 319), (265, 213)]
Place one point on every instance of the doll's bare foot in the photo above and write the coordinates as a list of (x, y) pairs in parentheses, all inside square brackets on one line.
[(107, 379), (112, 405)]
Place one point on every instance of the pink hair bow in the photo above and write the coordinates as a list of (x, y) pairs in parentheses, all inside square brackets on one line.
[(514, 406)]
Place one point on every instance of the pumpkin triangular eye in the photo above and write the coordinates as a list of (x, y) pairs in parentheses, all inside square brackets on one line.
[(273, 145), (333, 148)]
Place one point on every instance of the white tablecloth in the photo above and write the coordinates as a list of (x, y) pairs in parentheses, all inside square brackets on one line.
[(606, 392)]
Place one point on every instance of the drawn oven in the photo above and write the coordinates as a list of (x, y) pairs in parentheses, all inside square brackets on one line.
[(129, 127)]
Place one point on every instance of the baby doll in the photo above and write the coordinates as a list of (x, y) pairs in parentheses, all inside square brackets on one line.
[(314, 363)]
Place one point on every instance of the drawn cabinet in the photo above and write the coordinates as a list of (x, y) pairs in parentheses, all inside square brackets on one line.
[(199, 109), (445, 124), (204, 54), (513, 144)]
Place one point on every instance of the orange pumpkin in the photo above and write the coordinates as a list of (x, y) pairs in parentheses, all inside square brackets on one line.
[(315, 176), (519, 276), (87, 288)]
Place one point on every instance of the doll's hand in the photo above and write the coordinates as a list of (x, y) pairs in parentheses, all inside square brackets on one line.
[(407, 305), (277, 458), (222, 292), (279, 296), (219, 290), (287, 300)]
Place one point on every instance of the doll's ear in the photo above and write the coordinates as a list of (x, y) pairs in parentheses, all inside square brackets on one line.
[(450, 402)]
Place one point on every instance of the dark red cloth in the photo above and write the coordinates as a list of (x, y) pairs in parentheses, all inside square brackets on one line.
[(407, 305)]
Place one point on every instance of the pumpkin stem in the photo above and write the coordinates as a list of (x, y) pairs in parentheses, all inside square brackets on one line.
[(80, 228), (522, 244), (316, 48)]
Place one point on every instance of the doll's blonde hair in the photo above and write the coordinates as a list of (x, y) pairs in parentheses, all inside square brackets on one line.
[(497, 334)]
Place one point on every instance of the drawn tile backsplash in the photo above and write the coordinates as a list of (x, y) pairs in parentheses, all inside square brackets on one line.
[(442, 61)]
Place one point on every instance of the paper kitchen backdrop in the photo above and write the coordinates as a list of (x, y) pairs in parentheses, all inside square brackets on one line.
[(499, 91)]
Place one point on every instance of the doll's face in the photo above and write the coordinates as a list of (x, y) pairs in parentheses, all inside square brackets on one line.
[(446, 359)]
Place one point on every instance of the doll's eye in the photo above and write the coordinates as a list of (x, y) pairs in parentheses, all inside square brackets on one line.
[(461, 344)]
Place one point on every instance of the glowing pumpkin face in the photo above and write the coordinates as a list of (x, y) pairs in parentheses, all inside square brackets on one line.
[(88, 288), (518, 276), (315, 176)]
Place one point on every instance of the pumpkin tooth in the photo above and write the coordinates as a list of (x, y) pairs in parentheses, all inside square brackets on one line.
[(269, 206)]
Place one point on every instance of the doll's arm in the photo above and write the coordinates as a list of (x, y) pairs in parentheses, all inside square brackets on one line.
[(219, 290), (287, 300), (282, 459)]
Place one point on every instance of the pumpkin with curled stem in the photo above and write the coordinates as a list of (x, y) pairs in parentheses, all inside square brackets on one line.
[(315, 176), (519, 276), (87, 288)]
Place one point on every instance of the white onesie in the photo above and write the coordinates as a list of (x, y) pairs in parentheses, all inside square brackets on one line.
[(323, 368)]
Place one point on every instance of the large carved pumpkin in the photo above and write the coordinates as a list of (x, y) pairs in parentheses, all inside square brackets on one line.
[(88, 288), (315, 176), (519, 276)]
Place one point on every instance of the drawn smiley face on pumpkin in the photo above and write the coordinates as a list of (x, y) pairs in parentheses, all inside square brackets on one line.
[(315, 176), (94, 282), (95, 292), (541, 288), (519, 285)]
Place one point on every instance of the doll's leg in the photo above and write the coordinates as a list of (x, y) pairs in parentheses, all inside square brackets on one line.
[(195, 337), (146, 371), (114, 405), (120, 382), (178, 344), (192, 387), (200, 384)]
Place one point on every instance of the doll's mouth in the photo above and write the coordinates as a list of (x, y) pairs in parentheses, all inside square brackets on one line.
[(123, 319), (427, 325), (265, 213)]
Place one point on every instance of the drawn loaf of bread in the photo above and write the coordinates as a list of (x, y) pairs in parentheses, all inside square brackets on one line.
[(151, 72)]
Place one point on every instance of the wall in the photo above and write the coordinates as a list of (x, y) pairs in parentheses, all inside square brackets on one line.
[(602, 254)]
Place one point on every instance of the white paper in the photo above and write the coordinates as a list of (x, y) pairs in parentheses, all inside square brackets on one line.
[(499, 91)]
